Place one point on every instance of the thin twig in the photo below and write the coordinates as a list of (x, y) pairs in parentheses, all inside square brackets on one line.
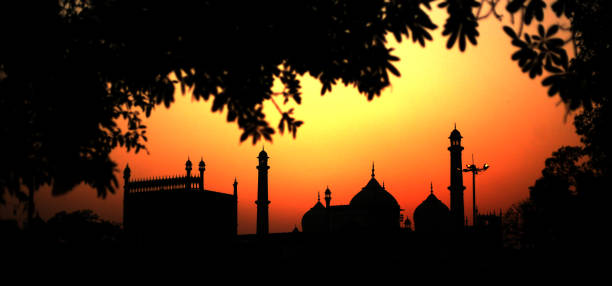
[(276, 105)]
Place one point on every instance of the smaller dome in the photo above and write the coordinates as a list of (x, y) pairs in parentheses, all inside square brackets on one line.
[(202, 163), (431, 215), (314, 219)]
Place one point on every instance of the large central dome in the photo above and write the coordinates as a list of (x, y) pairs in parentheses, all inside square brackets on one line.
[(373, 195)]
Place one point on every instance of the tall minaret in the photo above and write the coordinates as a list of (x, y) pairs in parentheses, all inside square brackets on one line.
[(126, 190), (236, 205), (327, 197), (262, 194), (188, 178), (456, 181), (202, 168)]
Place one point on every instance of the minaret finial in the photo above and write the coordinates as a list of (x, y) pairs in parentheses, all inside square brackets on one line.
[(372, 169), (455, 125), (318, 196), (431, 187)]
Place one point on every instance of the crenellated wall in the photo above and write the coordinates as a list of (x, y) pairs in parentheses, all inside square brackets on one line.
[(171, 183), (176, 209)]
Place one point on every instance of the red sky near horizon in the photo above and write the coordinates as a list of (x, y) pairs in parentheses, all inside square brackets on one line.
[(506, 119)]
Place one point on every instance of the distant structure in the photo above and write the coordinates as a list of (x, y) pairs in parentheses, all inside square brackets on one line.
[(432, 215), (456, 187), (373, 210), (177, 208), (262, 194), (488, 228)]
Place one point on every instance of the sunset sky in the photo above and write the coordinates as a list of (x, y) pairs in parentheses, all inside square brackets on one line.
[(506, 119)]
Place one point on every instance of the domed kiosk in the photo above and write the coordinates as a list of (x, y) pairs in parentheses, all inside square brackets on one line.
[(431, 215), (371, 209)]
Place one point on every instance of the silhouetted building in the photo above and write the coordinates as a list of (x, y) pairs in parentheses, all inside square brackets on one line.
[(456, 187), (488, 229), (373, 209), (178, 208), (262, 194), (432, 215)]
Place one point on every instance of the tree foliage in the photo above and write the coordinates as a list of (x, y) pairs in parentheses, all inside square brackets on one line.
[(566, 205), (70, 68), (580, 81)]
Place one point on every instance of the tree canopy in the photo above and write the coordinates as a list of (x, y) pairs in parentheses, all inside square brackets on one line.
[(70, 69)]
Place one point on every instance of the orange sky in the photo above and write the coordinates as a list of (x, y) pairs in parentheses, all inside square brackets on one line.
[(506, 119)]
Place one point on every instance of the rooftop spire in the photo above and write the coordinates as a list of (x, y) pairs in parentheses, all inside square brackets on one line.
[(431, 187), (318, 196), (372, 169), (455, 125)]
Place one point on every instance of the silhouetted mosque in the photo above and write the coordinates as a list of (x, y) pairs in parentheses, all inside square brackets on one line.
[(371, 209), (180, 208), (177, 208), (374, 209)]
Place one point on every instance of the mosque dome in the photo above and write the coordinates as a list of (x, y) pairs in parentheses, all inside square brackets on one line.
[(431, 215), (314, 219), (373, 195)]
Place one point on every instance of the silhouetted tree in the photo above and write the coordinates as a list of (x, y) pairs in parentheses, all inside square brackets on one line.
[(82, 228), (566, 208), (70, 68), (570, 198)]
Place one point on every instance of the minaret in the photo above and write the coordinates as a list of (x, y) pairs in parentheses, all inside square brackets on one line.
[(456, 181), (327, 197), (236, 188), (126, 190), (236, 199), (262, 194), (188, 178), (202, 168)]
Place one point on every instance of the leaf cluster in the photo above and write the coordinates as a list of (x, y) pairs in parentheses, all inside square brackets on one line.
[(579, 81), (539, 51), (462, 24)]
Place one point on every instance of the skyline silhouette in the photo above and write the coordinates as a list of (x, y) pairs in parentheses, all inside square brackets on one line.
[(159, 206), (506, 115)]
